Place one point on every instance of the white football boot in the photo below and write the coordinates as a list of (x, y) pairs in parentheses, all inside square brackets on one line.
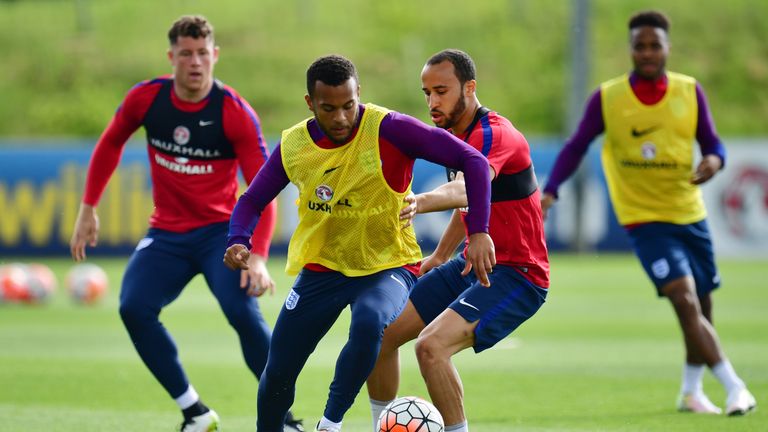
[(206, 422), (697, 403), (740, 402)]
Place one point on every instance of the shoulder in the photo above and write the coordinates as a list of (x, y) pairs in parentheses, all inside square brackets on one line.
[(146, 90), (232, 98), (681, 78), (619, 80), (500, 128)]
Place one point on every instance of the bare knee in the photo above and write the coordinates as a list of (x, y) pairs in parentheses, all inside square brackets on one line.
[(428, 351), (682, 294)]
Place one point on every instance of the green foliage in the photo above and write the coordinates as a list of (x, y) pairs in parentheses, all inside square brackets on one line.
[(68, 63), (602, 354)]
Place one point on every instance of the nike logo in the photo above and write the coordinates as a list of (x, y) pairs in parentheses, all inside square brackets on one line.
[(205, 123), (637, 133), (398, 281), (331, 170), (464, 302)]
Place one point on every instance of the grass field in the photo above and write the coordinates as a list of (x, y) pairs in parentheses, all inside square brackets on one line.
[(602, 355)]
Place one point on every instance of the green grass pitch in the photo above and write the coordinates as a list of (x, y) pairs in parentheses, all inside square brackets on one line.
[(603, 354)]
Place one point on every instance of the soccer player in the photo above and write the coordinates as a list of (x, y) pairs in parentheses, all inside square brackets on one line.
[(449, 310), (353, 165), (198, 132), (650, 118)]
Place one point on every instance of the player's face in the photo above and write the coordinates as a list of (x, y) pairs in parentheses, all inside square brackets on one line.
[(445, 95), (335, 108), (650, 48), (192, 60)]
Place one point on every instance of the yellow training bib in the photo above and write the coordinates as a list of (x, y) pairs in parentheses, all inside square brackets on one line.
[(348, 214)]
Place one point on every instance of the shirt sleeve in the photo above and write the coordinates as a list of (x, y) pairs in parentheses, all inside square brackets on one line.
[(419, 141), (590, 126), (706, 135), (269, 181), (109, 148), (243, 129)]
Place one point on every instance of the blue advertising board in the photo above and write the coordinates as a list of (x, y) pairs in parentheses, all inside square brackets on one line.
[(41, 186)]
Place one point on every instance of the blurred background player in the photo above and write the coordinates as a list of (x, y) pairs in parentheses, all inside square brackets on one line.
[(450, 310), (198, 132), (353, 166), (650, 118)]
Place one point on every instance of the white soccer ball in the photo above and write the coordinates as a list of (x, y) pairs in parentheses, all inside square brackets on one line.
[(86, 283), (410, 414), (41, 283)]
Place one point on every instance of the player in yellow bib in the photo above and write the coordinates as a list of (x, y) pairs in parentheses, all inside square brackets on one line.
[(651, 118), (353, 165)]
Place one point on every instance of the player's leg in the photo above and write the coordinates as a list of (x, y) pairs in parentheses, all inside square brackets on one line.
[(242, 311), (448, 334), (384, 379), (376, 301), (478, 318), (432, 293), (155, 275), (310, 309), (702, 261), (662, 250)]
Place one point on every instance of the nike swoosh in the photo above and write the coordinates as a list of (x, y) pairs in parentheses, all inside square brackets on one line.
[(331, 170), (637, 133), (464, 302), (398, 281), (205, 123)]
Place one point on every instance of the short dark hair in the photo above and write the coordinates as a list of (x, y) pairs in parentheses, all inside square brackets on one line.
[(462, 63), (649, 18), (332, 70), (194, 26)]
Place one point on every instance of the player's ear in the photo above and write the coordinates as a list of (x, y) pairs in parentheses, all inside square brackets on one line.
[(308, 99), (469, 87), (170, 55), (215, 54)]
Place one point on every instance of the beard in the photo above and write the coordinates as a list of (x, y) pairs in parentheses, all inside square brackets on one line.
[(453, 117)]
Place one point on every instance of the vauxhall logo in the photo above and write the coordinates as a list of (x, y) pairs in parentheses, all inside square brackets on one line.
[(182, 150), (327, 207)]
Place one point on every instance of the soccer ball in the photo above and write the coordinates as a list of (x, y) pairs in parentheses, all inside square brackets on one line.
[(410, 414), (13, 282), (41, 283), (86, 283)]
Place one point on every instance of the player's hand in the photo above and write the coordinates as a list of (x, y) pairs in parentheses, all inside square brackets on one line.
[(86, 232), (256, 279), (236, 257), (408, 212), (547, 199), (429, 263), (708, 167), (481, 256)]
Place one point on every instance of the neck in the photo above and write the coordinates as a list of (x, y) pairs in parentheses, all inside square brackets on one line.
[(192, 96), (466, 117), (658, 77)]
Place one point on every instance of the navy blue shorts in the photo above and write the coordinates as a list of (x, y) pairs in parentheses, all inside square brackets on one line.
[(670, 251), (500, 309)]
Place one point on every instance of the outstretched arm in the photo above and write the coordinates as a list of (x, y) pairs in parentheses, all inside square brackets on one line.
[(569, 159)]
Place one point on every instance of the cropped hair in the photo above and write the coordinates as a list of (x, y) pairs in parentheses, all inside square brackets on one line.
[(194, 26), (332, 70), (462, 63), (649, 18)]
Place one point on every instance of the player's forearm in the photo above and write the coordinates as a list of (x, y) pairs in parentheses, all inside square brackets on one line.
[(452, 237), (574, 150), (262, 233), (450, 195)]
